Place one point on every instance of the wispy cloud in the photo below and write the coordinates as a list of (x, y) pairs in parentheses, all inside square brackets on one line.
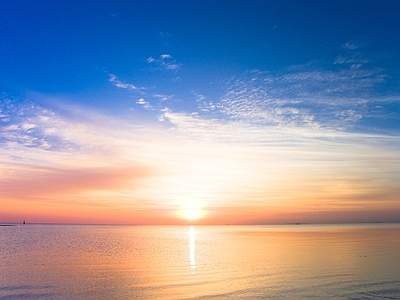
[(324, 167), (114, 80), (144, 103), (164, 61), (220, 163), (291, 140), (163, 97), (303, 96), (355, 44), (204, 105), (36, 182), (30, 125), (356, 60), (351, 45)]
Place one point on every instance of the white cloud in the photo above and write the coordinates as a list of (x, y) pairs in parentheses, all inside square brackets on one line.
[(300, 96), (199, 97), (114, 80), (355, 45), (351, 59), (163, 97), (318, 162), (150, 60), (165, 62), (27, 126), (144, 103), (351, 46), (214, 161), (11, 127), (204, 105)]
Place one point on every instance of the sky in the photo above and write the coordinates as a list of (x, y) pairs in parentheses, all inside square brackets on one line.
[(201, 112)]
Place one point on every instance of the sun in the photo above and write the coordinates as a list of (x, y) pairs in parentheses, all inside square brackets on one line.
[(191, 214), (191, 210)]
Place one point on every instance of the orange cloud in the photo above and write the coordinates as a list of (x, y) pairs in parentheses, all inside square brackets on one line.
[(42, 182)]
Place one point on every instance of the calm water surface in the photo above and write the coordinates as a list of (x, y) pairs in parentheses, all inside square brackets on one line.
[(200, 262)]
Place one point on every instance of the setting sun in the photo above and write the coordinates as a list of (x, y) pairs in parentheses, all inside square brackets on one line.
[(191, 214)]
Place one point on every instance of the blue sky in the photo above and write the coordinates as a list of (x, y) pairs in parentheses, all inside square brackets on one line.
[(283, 110)]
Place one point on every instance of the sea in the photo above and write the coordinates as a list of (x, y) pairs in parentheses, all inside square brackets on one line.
[(352, 261)]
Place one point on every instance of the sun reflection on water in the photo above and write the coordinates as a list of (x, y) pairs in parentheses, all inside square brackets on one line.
[(192, 249)]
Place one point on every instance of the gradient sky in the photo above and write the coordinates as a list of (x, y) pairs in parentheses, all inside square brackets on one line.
[(248, 111)]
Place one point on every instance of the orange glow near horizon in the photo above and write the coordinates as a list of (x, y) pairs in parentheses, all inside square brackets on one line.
[(171, 180)]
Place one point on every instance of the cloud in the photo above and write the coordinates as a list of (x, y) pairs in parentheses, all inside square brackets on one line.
[(199, 97), (114, 80), (351, 45), (354, 59), (275, 166), (165, 62), (306, 95), (144, 103), (26, 124), (218, 162), (294, 139), (204, 105), (33, 182), (151, 60), (163, 97), (64, 128), (315, 99)]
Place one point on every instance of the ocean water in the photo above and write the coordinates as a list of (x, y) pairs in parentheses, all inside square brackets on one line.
[(200, 262)]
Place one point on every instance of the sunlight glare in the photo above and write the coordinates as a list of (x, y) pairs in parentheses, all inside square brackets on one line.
[(191, 214), (191, 210)]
